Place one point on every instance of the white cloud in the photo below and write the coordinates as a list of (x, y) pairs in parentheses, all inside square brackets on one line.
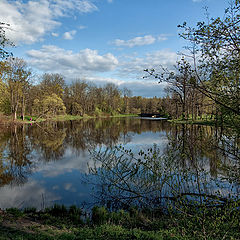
[(141, 87), (30, 194), (69, 35), (130, 72), (162, 37), (145, 88), (110, 1), (68, 163), (64, 7), (28, 22), (139, 41), (134, 66), (89, 65), (55, 34), (69, 187), (54, 59), (31, 20), (81, 27)]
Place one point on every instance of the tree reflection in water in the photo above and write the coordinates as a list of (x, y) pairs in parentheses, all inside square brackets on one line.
[(196, 160), (23, 148), (15, 164), (197, 166)]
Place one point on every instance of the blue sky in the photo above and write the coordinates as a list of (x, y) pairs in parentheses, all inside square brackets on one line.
[(103, 40)]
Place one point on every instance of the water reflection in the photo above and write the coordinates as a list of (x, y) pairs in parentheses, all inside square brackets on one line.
[(198, 163), (16, 164), (44, 163)]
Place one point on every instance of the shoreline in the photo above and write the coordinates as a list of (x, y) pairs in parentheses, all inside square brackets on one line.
[(60, 222), (6, 121)]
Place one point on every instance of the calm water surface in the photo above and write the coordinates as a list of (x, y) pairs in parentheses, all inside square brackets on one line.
[(49, 163)]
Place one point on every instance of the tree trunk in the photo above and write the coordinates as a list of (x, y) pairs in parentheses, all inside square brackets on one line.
[(23, 108)]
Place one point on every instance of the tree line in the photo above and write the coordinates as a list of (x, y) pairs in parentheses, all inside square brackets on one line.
[(207, 78), (205, 83), (53, 96)]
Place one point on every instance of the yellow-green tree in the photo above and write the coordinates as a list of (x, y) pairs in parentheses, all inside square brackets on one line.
[(4, 95), (49, 106), (15, 76)]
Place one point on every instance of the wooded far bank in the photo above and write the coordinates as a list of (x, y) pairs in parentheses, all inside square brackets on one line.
[(204, 85)]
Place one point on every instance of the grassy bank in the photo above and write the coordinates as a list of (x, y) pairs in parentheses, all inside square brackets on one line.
[(7, 120), (125, 115), (208, 120), (85, 116), (197, 122), (60, 222)]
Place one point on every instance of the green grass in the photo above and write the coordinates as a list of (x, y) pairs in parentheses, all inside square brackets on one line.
[(68, 117), (71, 117), (125, 115), (197, 122), (15, 212), (103, 232), (33, 119), (60, 222), (226, 121)]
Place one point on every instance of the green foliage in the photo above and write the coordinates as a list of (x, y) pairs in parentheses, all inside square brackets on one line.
[(75, 214), (188, 223), (120, 217), (61, 215), (98, 112), (30, 118), (52, 83), (77, 109), (5, 106), (49, 106), (103, 232), (99, 215), (4, 41), (209, 85), (57, 210), (176, 184), (30, 210), (53, 105), (218, 71), (15, 212), (14, 85)]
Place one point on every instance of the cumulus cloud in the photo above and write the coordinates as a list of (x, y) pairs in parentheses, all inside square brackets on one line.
[(139, 41), (69, 35), (31, 20), (55, 34), (89, 65), (54, 59), (134, 66)]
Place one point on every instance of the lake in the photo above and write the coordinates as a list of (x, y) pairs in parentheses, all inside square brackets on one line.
[(154, 161)]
